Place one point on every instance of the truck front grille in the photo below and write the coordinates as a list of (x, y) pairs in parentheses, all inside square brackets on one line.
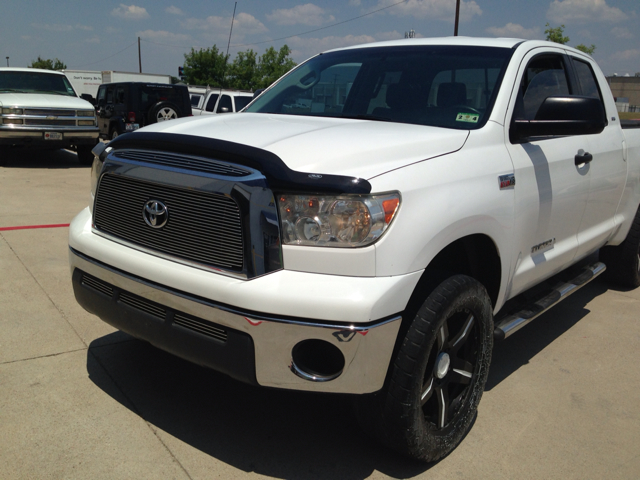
[(183, 161), (49, 111), (47, 123), (201, 227)]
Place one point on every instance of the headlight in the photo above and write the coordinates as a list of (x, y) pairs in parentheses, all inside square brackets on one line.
[(336, 221), (12, 121), (86, 113), (12, 111), (86, 122)]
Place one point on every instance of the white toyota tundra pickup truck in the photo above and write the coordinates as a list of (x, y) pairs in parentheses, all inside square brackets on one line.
[(40, 109), (369, 225)]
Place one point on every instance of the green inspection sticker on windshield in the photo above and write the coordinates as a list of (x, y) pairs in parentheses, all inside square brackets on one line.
[(468, 117)]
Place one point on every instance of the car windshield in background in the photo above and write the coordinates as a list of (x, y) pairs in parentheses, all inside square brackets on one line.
[(35, 82), (444, 86)]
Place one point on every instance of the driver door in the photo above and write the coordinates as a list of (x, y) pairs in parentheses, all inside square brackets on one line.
[(551, 191)]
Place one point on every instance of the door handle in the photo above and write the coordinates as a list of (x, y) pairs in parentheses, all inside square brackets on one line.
[(583, 157)]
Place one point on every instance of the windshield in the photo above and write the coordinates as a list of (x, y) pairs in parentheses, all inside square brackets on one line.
[(444, 86), (35, 82)]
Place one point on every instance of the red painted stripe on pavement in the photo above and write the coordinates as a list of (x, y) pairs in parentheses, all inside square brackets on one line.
[(28, 227)]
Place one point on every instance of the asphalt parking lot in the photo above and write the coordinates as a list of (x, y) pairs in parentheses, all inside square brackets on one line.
[(81, 400)]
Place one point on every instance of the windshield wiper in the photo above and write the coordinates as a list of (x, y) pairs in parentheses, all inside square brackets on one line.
[(367, 116), (12, 90)]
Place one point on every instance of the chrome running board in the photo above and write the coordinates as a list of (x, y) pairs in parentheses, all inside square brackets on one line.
[(514, 322)]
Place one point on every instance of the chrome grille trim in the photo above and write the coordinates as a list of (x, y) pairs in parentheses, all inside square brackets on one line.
[(45, 122), (201, 326), (50, 111), (97, 284), (142, 304), (186, 162), (203, 227), (183, 320)]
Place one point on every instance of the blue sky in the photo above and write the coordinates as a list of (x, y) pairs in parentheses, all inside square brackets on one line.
[(102, 35)]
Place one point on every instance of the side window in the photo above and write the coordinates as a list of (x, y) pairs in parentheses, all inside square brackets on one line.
[(544, 77), (587, 79), (195, 100), (224, 105), (211, 103), (119, 97), (241, 102), (109, 95), (102, 94)]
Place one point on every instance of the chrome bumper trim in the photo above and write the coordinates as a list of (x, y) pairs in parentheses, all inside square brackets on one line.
[(367, 349), (68, 134)]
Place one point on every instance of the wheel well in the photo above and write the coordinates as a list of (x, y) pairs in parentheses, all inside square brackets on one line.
[(475, 256)]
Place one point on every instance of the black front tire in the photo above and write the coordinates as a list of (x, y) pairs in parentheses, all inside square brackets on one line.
[(623, 261), (436, 381), (85, 157)]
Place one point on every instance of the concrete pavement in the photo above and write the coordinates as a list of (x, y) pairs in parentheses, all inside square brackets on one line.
[(81, 400)]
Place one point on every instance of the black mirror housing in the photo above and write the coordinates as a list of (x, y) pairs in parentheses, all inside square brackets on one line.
[(561, 116)]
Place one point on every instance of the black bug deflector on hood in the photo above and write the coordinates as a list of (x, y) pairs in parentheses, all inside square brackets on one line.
[(278, 175)]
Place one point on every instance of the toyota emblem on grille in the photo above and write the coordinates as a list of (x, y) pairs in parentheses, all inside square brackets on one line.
[(155, 214)]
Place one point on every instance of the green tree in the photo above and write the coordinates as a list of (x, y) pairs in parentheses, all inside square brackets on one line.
[(556, 34), (205, 67), (243, 72), (48, 64), (272, 65), (585, 49)]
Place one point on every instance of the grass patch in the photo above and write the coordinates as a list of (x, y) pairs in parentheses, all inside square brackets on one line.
[(629, 115)]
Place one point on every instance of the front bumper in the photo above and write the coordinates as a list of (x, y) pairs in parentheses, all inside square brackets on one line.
[(260, 341), (36, 138), (250, 347)]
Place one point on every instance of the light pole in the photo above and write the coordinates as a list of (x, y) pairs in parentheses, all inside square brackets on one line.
[(7, 61), (455, 30)]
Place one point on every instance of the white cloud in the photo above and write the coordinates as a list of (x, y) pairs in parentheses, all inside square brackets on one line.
[(584, 11), (130, 12), (433, 9), (55, 27), (93, 40), (627, 55), (622, 32), (216, 29), (307, 14), (514, 30), (86, 28), (163, 36), (174, 10)]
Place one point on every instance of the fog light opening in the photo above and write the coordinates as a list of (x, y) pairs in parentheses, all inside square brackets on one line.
[(317, 360)]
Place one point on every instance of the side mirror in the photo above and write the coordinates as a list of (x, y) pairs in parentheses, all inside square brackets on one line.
[(561, 116), (258, 92), (89, 98)]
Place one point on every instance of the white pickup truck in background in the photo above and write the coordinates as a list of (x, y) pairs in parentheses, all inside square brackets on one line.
[(40, 109), (369, 224)]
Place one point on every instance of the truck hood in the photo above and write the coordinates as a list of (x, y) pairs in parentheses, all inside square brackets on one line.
[(43, 100), (357, 148)]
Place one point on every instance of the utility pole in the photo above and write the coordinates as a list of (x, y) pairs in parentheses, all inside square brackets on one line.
[(139, 57), (455, 30), (7, 61)]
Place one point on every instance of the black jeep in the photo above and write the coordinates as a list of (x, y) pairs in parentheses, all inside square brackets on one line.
[(127, 106)]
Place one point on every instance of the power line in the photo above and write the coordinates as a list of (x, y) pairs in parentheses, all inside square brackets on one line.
[(321, 28), (294, 35), (106, 58)]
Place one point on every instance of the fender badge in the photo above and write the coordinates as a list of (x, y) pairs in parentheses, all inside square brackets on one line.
[(507, 181)]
